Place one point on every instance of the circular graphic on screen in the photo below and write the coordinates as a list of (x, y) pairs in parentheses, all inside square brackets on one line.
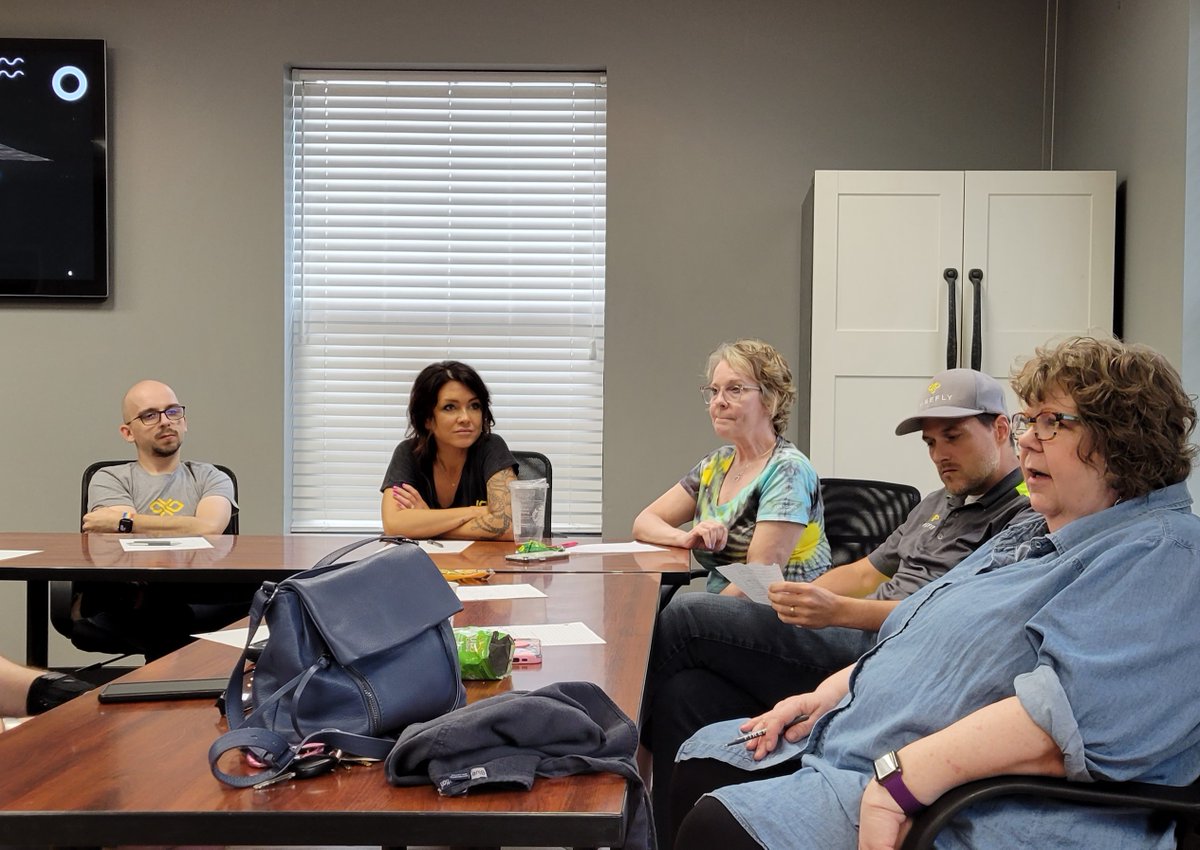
[(81, 83)]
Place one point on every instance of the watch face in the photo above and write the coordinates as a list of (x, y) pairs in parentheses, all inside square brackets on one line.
[(886, 765)]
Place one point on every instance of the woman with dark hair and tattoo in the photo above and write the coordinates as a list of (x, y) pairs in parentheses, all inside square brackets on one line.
[(449, 478)]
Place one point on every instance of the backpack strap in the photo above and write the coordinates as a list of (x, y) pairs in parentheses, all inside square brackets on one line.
[(334, 557)]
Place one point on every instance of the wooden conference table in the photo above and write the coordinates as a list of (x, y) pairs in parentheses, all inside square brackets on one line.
[(72, 556), (137, 773)]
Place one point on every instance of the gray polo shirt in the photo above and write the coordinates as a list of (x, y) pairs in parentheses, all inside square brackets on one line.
[(942, 531)]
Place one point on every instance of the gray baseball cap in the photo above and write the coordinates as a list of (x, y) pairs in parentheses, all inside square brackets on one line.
[(954, 394)]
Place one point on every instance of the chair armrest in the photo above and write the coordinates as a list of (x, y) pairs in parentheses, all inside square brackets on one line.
[(1176, 800)]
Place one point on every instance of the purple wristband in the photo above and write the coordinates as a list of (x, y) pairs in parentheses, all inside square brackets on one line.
[(889, 774)]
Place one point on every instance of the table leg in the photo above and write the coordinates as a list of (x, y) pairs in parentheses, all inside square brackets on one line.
[(37, 623)]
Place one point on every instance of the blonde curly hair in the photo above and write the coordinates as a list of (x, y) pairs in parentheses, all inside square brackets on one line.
[(760, 359)]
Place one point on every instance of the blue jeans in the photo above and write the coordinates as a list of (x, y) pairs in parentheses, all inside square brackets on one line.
[(719, 657)]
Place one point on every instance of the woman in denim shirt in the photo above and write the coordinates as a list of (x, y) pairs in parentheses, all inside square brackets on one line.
[(1065, 647)]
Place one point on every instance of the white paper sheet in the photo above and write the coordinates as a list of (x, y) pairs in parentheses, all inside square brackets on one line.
[(476, 592), (235, 637), (613, 548), (553, 634), (433, 547), (444, 547), (5, 554), (753, 579), (163, 544)]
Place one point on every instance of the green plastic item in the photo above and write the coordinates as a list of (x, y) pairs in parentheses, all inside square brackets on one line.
[(483, 654), (537, 546)]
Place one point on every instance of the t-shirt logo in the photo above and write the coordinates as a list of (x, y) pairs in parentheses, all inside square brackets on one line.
[(166, 507), (931, 523)]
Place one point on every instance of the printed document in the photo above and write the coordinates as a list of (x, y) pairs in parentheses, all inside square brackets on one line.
[(753, 579)]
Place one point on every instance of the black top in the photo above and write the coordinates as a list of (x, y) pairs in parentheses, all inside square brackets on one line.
[(485, 458)]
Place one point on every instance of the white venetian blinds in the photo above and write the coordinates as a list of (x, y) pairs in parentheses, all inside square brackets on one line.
[(442, 216)]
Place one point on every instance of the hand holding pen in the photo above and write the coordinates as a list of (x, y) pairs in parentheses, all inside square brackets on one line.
[(758, 733), (791, 718)]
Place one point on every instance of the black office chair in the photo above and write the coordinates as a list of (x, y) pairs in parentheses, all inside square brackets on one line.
[(860, 514), (1182, 804), (90, 638), (532, 465)]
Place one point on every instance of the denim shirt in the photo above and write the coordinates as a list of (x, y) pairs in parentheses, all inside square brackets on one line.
[(1094, 628)]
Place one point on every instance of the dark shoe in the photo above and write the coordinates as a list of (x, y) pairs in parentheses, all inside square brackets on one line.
[(52, 689)]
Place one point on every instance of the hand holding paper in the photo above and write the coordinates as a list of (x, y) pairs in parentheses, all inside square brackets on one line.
[(753, 579)]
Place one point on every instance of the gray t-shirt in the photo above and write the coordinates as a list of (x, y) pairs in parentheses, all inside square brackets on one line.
[(175, 494), (941, 531)]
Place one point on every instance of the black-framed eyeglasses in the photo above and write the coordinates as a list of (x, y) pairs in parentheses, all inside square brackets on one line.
[(1045, 424), (732, 393), (152, 417)]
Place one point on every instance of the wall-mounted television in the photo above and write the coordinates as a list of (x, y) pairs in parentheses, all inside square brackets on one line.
[(53, 169)]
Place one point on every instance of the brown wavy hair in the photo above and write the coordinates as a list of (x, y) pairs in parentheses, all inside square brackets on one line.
[(767, 366), (1137, 417)]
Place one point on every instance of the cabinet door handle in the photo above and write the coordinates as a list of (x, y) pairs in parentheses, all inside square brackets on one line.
[(976, 278), (951, 278)]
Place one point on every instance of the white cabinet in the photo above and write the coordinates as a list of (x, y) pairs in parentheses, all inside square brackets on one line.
[(893, 298)]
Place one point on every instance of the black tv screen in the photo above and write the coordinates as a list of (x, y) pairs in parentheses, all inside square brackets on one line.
[(53, 169)]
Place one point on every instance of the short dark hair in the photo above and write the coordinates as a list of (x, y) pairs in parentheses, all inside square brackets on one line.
[(988, 420), (424, 396), (1131, 401)]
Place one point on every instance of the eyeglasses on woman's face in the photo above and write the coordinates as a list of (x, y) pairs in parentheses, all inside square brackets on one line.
[(150, 418), (1045, 424), (733, 393)]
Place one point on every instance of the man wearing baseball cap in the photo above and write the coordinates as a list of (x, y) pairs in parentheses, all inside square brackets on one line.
[(719, 657)]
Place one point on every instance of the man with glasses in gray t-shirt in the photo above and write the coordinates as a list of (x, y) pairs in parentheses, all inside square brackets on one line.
[(157, 494)]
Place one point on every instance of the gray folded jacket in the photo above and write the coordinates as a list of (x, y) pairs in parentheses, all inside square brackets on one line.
[(505, 741)]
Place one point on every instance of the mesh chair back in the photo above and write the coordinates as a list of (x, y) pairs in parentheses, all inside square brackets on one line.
[(860, 514), (536, 465), (90, 472)]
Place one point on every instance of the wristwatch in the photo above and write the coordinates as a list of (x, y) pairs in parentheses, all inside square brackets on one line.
[(890, 776), (125, 524)]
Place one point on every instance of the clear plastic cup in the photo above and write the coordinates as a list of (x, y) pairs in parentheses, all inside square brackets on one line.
[(528, 508)]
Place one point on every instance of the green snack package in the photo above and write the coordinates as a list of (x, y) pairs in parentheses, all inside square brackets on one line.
[(483, 653)]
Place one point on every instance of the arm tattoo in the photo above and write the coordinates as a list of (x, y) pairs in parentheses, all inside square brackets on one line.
[(498, 519)]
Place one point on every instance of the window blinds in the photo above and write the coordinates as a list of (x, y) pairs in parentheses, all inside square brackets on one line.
[(442, 216)]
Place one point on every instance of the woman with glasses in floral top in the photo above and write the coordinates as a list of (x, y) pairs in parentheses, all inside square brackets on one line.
[(756, 499)]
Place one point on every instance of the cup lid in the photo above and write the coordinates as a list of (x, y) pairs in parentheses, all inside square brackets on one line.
[(531, 483)]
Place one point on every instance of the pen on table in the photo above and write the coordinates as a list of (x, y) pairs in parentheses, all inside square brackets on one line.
[(758, 733), (567, 544), (436, 543), (152, 543)]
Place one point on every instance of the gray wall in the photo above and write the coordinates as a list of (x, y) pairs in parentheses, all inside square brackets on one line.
[(718, 114), (1122, 105), (1125, 103), (1191, 263)]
